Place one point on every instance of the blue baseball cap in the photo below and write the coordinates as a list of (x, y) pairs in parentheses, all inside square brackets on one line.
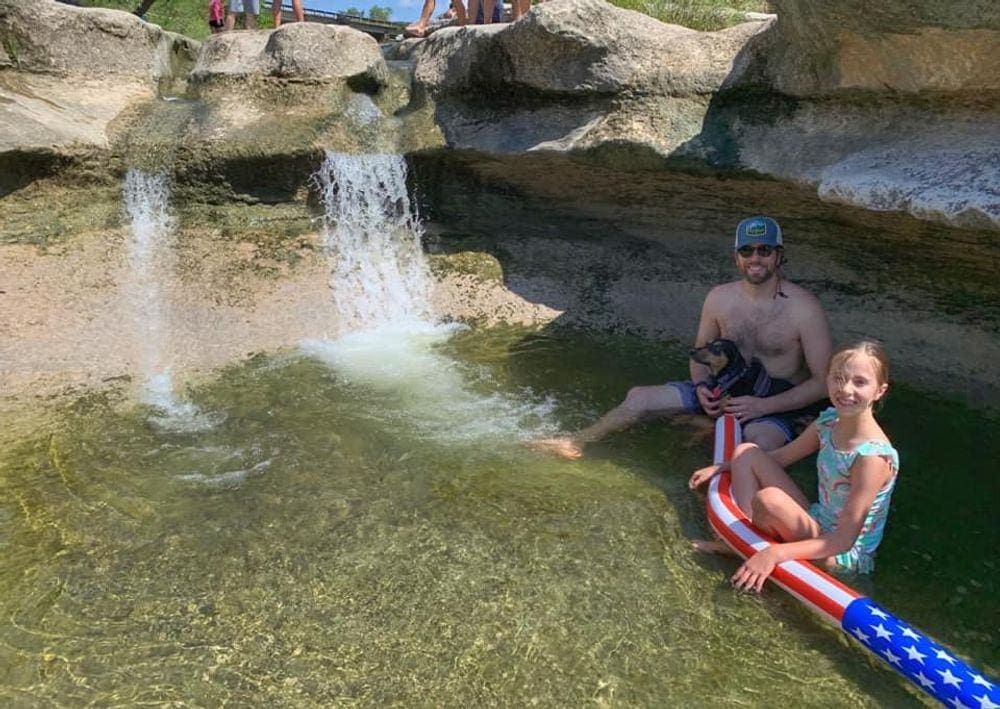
[(758, 230)]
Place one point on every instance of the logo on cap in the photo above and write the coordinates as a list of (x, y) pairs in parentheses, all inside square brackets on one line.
[(758, 230)]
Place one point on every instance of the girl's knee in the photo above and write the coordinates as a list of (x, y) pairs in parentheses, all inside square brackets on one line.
[(767, 500), (743, 458)]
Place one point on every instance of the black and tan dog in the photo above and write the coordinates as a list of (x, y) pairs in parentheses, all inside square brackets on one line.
[(730, 373)]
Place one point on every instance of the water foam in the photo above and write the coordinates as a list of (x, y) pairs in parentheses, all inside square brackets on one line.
[(432, 395), (381, 286)]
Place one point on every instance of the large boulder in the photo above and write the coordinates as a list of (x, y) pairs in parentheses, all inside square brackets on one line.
[(582, 48), (866, 108), (68, 76), (42, 36), (303, 51)]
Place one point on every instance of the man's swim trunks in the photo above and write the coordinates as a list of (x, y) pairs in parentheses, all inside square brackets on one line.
[(790, 423)]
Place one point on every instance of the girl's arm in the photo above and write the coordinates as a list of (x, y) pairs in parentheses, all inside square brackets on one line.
[(869, 474), (806, 444)]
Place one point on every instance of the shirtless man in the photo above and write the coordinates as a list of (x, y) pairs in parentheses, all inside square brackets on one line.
[(778, 322)]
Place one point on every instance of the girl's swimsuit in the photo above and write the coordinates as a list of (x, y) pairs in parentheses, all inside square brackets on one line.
[(833, 470)]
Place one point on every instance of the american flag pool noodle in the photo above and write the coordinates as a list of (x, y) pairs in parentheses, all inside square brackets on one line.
[(925, 663)]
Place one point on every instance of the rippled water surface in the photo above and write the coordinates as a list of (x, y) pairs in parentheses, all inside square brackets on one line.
[(358, 529)]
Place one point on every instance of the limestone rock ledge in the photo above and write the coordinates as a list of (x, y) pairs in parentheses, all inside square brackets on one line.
[(67, 73), (895, 110), (87, 93)]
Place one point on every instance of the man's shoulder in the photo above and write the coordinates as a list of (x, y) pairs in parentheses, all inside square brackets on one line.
[(799, 296)]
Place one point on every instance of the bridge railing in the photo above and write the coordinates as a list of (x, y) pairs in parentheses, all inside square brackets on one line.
[(376, 28)]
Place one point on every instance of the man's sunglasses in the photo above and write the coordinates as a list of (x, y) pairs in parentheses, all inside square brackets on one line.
[(764, 250)]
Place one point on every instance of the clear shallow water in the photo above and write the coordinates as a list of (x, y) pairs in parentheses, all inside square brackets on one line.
[(338, 538)]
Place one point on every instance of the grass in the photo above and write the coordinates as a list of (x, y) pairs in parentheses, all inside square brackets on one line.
[(697, 14)]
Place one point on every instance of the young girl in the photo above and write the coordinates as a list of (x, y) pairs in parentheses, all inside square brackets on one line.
[(856, 466), (215, 16)]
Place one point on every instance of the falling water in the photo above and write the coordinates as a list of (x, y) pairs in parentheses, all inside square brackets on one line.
[(381, 286), (372, 237), (147, 199)]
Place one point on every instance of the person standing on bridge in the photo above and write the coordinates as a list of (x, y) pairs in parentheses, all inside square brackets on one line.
[(297, 12)]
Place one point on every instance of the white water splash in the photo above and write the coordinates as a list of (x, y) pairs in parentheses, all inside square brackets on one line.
[(381, 287), (426, 392), (150, 255)]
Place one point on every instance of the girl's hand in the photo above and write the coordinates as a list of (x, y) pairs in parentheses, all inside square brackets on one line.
[(755, 570), (703, 475)]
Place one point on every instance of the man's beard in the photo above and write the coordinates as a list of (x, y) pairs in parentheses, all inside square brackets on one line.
[(758, 278)]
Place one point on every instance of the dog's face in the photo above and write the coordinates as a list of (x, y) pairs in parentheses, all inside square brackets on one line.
[(717, 355)]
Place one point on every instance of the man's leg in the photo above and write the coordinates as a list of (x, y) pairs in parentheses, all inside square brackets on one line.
[(642, 402), (297, 11), (473, 14), (276, 13), (768, 433)]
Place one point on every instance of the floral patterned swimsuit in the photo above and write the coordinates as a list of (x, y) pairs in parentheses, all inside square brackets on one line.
[(833, 471)]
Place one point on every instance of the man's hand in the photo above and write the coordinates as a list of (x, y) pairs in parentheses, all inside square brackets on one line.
[(755, 570), (745, 408), (710, 403)]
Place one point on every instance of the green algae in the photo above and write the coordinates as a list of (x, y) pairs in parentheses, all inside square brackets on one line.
[(360, 561)]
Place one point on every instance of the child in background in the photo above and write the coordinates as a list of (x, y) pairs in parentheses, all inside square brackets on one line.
[(216, 18), (856, 466)]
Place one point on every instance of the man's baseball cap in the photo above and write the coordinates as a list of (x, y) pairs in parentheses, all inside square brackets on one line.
[(758, 230)]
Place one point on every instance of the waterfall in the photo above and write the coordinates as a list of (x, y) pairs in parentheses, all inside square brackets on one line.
[(147, 197), (381, 284), (150, 259), (372, 237)]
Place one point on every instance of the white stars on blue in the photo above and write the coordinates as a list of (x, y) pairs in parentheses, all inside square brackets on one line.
[(882, 632), (918, 658)]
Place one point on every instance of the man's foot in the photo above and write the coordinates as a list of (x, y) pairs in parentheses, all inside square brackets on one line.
[(562, 447), (712, 546), (415, 31)]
